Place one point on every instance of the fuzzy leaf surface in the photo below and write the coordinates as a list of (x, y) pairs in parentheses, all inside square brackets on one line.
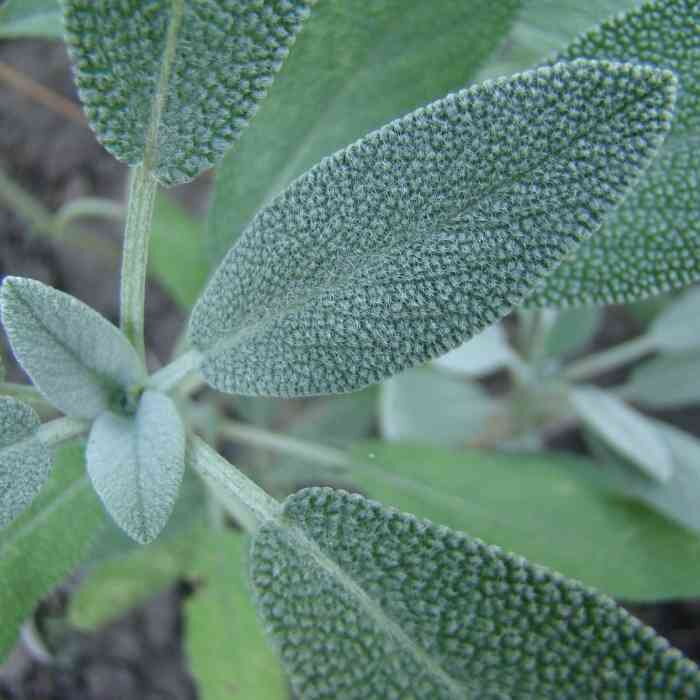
[(626, 430), (174, 82), (405, 244), (31, 18), (46, 542), (651, 243), (367, 602), (25, 461), (330, 92), (74, 356), (541, 505), (136, 464), (665, 381)]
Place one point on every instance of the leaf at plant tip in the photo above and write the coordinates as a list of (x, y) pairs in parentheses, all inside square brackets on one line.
[(651, 243), (626, 430), (25, 461), (47, 541), (677, 327), (175, 81), (367, 602), (74, 356), (413, 239), (136, 464), (665, 381)]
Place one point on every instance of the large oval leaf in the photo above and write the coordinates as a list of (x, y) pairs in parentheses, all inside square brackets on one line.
[(416, 237), (652, 242), (173, 82), (366, 602)]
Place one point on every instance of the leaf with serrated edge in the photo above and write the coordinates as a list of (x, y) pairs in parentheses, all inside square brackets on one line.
[(651, 243), (408, 242), (31, 18), (665, 381), (331, 93), (627, 431), (74, 356), (172, 83), (47, 541), (25, 461), (486, 352), (677, 327), (366, 602), (136, 464)]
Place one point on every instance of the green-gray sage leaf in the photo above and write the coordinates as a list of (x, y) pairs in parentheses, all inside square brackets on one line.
[(355, 67), (25, 461), (172, 83), (486, 352), (367, 602), (408, 242), (31, 18), (625, 430), (136, 464), (651, 243), (677, 327), (571, 329), (79, 361)]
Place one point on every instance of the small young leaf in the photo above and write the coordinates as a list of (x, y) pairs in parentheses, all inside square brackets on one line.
[(366, 602), (666, 381), (677, 328), (486, 352), (330, 97), (47, 541), (543, 506), (76, 358), (25, 462), (31, 18), (173, 82), (651, 243), (625, 430), (136, 464), (420, 405), (423, 233), (571, 330), (679, 497)]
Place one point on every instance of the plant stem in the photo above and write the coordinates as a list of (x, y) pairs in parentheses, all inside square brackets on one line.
[(22, 392), (609, 359), (178, 370), (57, 431), (243, 498), (142, 192)]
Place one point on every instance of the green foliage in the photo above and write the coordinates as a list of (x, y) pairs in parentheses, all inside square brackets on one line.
[(230, 657), (649, 244), (46, 542), (25, 462), (367, 602), (666, 381), (571, 330), (31, 18), (136, 464), (354, 67), (173, 82), (486, 352), (526, 168), (625, 430), (542, 506), (78, 360), (677, 327)]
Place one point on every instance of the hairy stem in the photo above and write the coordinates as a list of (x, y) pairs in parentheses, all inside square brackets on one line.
[(62, 429), (609, 359), (22, 392), (142, 192), (176, 372), (243, 498)]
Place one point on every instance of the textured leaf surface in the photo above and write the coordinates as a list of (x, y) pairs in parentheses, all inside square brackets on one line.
[(541, 505), (175, 81), (431, 407), (230, 657), (367, 602), (25, 462), (418, 236), (354, 67), (74, 356), (652, 242), (486, 352), (677, 327), (136, 464), (679, 498), (666, 381), (47, 541), (31, 18)]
